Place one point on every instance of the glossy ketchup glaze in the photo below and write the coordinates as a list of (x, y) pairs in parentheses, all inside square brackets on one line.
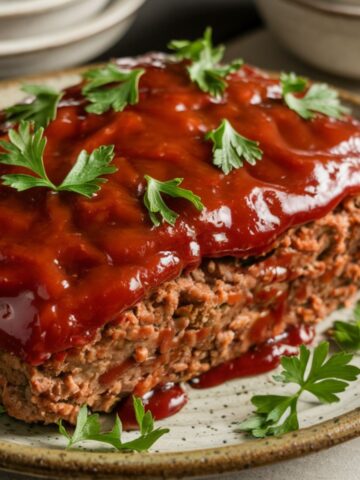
[(162, 402), (69, 264), (260, 359)]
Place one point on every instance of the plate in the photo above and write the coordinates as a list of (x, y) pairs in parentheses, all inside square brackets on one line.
[(203, 437)]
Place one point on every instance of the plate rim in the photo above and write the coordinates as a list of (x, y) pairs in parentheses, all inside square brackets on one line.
[(54, 461), (156, 465)]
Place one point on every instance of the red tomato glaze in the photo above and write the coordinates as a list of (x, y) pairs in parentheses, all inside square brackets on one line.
[(69, 264), (259, 359), (162, 402)]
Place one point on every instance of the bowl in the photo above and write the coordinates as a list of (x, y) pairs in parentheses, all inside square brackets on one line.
[(26, 18), (53, 51), (324, 33)]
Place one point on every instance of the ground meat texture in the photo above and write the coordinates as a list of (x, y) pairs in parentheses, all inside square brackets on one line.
[(195, 322)]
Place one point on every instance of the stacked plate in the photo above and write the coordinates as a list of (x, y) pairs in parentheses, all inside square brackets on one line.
[(44, 35)]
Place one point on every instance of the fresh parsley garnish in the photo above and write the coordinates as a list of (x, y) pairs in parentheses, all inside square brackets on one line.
[(125, 89), (88, 428), (230, 148), (321, 376), (26, 149), (319, 98), (2, 409), (41, 111), (204, 68), (85, 176), (347, 334), (155, 203)]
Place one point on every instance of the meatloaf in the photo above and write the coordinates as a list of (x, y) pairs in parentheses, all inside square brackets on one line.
[(97, 303), (197, 321)]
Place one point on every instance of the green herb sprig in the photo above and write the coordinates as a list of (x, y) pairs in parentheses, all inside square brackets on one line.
[(156, 205), (205, 69), (347, 334), (230, 148), (124, 92), (319, 98), (26, 149), (88, 428), (321, 376), (41, 110)]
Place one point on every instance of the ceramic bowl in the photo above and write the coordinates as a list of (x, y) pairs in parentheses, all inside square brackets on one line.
[(26, 18), (69, 47), (324, 33)]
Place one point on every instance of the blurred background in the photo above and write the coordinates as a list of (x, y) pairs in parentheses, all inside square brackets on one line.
[(318, 38), (43, 35), (158, 21)]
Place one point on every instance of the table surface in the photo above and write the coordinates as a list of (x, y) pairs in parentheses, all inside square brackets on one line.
[(234, 22)]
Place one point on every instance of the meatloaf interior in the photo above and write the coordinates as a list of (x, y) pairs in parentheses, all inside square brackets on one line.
[(199, 320)]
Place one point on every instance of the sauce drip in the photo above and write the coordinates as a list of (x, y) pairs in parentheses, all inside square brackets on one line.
[(69, 265), (260, 359), (163, 402), (168, 399)]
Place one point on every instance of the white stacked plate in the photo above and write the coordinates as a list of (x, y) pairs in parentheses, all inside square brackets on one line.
[(44, 35)]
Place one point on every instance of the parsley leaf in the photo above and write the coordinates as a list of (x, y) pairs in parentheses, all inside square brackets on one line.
[(155, 204), (347, 334), (322, 376), (270, 410), (230, 148), (26, 150), (88, 428), (291, 83), (84, 177), (320, 98), (41, 111), (2, 409), (204, 69), (125, 92)]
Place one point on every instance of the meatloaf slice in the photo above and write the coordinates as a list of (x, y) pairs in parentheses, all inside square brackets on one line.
[(195, 322)]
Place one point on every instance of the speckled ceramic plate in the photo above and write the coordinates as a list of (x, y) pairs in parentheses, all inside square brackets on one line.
[(203, 437)]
